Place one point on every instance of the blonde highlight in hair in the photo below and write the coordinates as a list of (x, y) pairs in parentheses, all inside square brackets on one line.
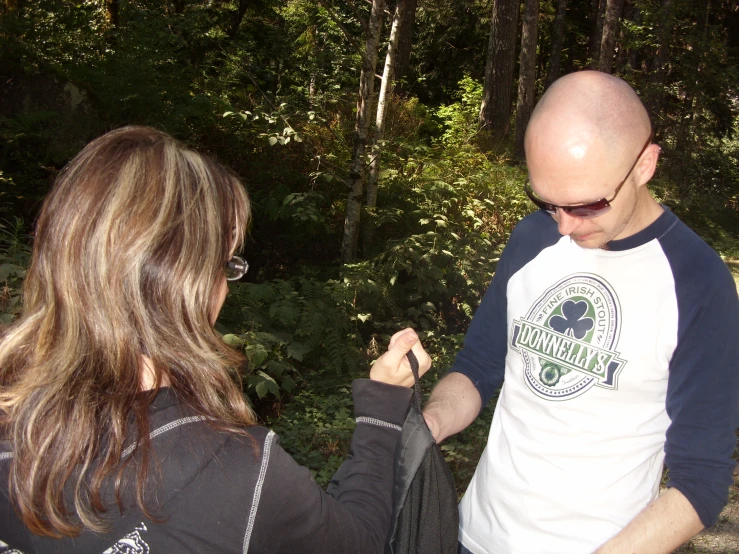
[(129, 251)]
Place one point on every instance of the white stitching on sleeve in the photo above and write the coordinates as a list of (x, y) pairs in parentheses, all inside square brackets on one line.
[(258, 490), (378, 422)]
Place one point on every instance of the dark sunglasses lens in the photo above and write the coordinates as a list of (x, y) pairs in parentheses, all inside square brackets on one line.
[(586, 211), (591, 210)]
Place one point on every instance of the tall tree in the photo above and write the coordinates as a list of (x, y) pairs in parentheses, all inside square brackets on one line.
[(620, 64), (111, 12), (405, 37), (608, 38), (637, 19), (495, 111), (597, 15), (361, 128), (238, 17), (656, 91), (386, 87), (558, 29), (527, 72)]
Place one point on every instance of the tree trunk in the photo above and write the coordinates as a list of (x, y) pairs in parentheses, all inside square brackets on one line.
[(111, 12), (638, 18), (364, 102), (656, 92), (495, 111), (685, 145), (385, 90), (312, 88), (405, 37), (610, 29), (598, 8), (527, 73), (700, 55), (620, 64), (238, 17), (558, 30)]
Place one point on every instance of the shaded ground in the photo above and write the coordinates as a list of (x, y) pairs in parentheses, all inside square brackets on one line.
[(722, 538)]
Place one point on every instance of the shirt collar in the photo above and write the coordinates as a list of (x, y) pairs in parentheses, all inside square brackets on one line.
[(653, 231)]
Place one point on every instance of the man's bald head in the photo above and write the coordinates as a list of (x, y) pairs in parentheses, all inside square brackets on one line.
[(587, 143), (585, 110)]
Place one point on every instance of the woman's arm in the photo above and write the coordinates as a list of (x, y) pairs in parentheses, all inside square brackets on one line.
[(296, 515)]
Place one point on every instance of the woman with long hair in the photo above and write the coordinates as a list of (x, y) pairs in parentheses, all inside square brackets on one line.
[(123, 424)]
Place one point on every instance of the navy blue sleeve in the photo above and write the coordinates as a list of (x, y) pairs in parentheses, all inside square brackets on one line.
[(703, 385), (482, 358)]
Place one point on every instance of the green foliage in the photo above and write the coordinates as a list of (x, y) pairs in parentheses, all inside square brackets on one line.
[(710, 206), (15, 256), (460, 118), (316, 427), (444, 212), (450, 41), (286, 325)]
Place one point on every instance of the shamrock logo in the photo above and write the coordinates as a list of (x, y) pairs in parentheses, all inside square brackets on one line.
[(550, 373), (571, 322)]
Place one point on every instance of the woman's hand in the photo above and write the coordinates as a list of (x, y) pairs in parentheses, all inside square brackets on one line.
[(393, 367)]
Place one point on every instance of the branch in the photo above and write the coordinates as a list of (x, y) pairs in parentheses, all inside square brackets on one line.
[(386, 10), (335, 18), (243, 5), (358, 16)]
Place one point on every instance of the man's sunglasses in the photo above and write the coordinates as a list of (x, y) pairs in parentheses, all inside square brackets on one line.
[(591, 209)]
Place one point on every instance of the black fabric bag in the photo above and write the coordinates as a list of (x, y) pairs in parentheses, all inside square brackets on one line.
[(425, 517)]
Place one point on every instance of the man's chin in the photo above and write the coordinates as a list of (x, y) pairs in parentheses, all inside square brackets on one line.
[(591, 240)]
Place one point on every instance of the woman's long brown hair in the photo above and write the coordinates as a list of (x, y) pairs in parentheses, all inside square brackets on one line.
[(128, 256)]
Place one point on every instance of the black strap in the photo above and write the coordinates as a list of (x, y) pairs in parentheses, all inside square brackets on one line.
[(417, 394)]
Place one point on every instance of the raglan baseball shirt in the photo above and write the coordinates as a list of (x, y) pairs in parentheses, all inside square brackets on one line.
[(613, 362)]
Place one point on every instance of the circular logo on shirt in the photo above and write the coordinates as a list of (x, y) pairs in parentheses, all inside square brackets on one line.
[(567, 339)]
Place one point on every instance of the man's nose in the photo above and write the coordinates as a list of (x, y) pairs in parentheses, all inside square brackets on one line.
[(567, 223)]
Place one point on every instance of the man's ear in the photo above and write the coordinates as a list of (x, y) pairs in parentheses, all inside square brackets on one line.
[(644, 170)]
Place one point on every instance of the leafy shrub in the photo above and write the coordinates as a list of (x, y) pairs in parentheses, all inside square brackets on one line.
[(460, 119), (286, 325), (445, 216), (15, 255), (316, 427)]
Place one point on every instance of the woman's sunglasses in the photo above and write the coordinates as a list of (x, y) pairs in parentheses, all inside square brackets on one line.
[(236, 268), (591, 209)]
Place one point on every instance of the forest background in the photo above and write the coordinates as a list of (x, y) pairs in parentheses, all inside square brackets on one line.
[(381, 144)]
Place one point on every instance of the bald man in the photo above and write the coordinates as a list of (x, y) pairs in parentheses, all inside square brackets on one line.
[(614, 330)]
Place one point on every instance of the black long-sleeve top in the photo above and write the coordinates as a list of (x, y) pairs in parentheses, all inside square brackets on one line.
[(214, 491)]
